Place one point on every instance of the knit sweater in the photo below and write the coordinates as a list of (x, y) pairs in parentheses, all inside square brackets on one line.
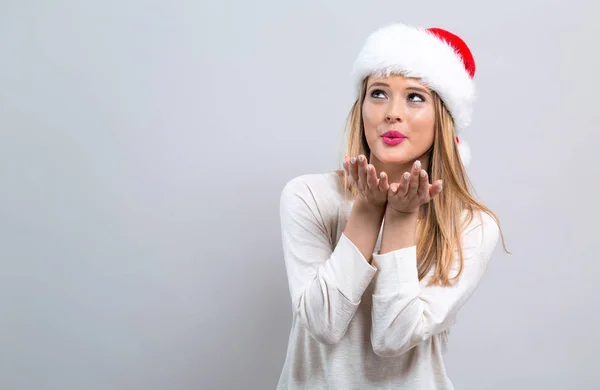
[(357, 325)]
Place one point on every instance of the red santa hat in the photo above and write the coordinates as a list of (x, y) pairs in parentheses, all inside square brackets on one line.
[(440, 59)]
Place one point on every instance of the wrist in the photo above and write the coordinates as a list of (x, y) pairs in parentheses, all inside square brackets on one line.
[(399, 230), (393, 214), (369, 207)]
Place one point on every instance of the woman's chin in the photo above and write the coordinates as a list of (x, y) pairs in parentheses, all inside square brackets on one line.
[(392, 157)]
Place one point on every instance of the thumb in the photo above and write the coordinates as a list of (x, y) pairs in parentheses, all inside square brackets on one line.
[(435, 188)]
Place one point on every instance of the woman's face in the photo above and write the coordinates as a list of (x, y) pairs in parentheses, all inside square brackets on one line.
[(398, 116)]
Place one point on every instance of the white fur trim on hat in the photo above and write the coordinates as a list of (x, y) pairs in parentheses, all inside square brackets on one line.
[(416, 52)]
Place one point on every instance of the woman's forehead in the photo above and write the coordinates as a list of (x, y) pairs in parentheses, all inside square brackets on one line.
[(395, 80)]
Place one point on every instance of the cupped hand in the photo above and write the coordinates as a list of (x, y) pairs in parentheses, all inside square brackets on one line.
[(412, 191), (363, 177)]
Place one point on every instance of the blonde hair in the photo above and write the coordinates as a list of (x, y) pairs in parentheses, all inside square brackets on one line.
[(441, 223)]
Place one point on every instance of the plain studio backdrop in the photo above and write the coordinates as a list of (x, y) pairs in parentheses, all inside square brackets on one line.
[(144, 147)]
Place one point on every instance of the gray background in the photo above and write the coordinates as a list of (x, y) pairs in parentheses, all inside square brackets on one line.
[(144, 145)]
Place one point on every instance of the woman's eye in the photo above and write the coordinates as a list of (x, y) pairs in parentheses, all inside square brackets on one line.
[(377, 94), (415, 97)]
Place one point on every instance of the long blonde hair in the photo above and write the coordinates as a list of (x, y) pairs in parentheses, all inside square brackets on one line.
[(442, 224)]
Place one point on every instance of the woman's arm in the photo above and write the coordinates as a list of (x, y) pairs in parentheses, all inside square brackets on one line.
[(407, 312), (399, 231), (364, 224), (326, 282)]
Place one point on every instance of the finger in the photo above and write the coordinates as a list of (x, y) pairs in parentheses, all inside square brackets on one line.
[(346, 166), (414, 177), (354, 169), (423, 184), (384, 185), (404, 184), (435, 189), (371, 177), (362, 170)]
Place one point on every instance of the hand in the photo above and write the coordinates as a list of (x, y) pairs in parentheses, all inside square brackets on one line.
[(363, 178), (412, 191)]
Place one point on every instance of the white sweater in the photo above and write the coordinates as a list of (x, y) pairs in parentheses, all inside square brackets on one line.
[(362, 326)]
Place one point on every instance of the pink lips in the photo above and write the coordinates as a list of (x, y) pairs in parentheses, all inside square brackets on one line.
[(393, 137)]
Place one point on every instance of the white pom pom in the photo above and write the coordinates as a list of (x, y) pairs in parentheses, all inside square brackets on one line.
[(465, 152)]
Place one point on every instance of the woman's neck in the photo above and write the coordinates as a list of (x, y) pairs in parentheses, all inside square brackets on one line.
[(394, 171)]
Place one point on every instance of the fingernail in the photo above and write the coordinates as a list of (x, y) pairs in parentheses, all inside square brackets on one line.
[(361, 158), (369, 167), (382, 175), (353, 160), (423, 173), (406, 175), (417, 164)]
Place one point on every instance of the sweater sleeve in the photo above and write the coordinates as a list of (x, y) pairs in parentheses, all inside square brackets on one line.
[(326, 282), (407, 312)]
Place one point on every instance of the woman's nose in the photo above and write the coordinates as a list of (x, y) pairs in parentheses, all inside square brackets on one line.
[(393, 117), (394, 113)]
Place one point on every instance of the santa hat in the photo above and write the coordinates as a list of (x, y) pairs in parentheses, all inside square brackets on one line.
[(440, 59)]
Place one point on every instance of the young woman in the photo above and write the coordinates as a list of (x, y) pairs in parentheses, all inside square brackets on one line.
[(381, 256)]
